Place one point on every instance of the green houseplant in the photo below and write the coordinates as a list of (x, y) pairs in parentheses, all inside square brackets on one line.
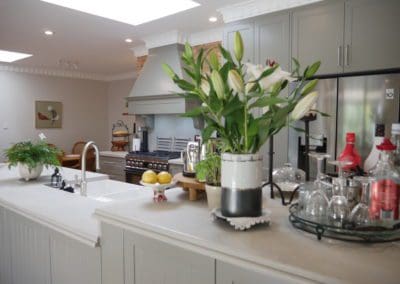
[(209, 171), (31, 157), (230, 95)]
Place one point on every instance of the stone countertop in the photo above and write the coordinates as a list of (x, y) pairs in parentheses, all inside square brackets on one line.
[(278, 247), (113, 154), (67, 213)]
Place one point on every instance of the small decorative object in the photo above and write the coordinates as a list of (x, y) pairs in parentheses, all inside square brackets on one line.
[(30, 158), (48, 114), (243, 223), (56, 178), (120, 136), (228, 96), (159, 190), (209, 171)]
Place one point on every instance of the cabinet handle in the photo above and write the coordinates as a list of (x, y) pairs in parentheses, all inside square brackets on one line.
[(339, 55), (346, 55), (108, 163)]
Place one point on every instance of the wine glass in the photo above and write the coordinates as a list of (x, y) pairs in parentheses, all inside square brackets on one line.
[(338, 210), (318, 201), (360, 213)]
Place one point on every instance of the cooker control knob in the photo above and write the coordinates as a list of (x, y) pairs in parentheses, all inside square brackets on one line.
[(150, 166)]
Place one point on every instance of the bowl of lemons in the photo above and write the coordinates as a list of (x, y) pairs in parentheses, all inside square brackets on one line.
[(158, 183)]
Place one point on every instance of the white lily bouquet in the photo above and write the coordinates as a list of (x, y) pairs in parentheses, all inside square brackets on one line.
[(232, 92)]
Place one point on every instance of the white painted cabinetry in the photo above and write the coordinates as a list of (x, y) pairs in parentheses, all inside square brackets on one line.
[(30, 253), (151, 261)]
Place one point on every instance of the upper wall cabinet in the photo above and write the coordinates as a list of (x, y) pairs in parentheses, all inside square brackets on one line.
[(272, 36), (317, 34), (372, 35), (246, 29)]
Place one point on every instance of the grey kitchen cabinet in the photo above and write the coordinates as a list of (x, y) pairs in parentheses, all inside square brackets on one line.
[(149, 261), (272, 34), (317, 34), (372, 35), (175, 169), (246, 29), (232, 274), (114, 167)]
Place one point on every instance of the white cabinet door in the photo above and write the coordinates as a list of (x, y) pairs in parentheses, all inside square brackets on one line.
[(30, 250), (272, 37), (73, 261), (246, 30), (232, 274), (372, 35), (5, 256), (318, 34), (112, 254), (149, 261)]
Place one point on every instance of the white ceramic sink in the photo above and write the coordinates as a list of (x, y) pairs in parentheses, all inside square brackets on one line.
[(109, 190)]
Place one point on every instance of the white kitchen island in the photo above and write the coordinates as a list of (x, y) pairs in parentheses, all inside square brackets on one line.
[(177, 242), (50, 236)]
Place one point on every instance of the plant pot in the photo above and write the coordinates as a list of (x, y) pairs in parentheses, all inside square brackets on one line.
[(28, 174), (241, 180), (213, 196)]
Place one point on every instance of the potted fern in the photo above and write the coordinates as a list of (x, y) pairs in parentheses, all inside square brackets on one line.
[(230, 94), (31, 157)]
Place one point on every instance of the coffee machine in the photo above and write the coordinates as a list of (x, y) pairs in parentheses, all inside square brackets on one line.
[(144, 139)]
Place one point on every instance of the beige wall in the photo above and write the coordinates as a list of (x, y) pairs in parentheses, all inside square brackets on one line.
[(85, 111), (116, 94)]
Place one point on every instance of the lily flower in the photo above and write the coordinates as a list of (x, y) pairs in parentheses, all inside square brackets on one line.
[(304, 106), (277, 76)]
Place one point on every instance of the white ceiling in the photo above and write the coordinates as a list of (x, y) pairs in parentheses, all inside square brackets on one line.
[(97, 44)]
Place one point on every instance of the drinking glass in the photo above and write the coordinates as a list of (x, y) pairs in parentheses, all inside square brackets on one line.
[(338, 210), (360, 213), (317, 204)]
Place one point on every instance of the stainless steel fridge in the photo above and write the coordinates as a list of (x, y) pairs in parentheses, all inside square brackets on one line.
[(355, 104)]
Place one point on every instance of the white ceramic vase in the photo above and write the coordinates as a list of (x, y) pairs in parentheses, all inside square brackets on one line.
[(241, 180), (28, 174), (213, 196)]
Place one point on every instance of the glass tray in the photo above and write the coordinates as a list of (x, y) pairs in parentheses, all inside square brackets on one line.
[(347, 232)]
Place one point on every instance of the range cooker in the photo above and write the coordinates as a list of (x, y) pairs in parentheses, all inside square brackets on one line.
[(139, 162)]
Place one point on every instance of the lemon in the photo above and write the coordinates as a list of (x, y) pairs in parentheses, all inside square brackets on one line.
[(149, 177), (164, 177)]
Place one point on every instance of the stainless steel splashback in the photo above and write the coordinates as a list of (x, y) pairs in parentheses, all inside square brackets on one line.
[(323, 127), (364, 101)]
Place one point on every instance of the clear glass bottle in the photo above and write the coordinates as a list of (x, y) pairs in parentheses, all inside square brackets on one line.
[(350, 154), (373, 156), (384, 195), (396, 141)]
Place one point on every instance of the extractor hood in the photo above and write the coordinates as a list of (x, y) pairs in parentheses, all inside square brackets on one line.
[(154, 92)]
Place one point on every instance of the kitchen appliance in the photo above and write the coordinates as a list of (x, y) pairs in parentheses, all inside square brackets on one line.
[(355, 103), (139, 162), (144, 139), (190, 158)]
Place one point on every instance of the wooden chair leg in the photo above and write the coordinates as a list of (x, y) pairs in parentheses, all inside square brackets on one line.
[(192, 194)]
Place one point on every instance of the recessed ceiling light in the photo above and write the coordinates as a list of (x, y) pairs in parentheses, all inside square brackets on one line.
[(11, 56), (48, 32), (128, 40), (213, 19), (134, 12)]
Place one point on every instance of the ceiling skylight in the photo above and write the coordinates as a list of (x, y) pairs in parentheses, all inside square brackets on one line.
[(11, 56), (134, 12)]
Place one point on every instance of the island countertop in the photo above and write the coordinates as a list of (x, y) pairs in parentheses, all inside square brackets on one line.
[(67, 213), (278, 247)]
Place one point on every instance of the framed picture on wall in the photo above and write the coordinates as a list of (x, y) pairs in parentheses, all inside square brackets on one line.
[(48, 114)]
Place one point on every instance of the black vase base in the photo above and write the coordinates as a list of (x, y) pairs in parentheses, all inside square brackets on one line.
[(241, 203)]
